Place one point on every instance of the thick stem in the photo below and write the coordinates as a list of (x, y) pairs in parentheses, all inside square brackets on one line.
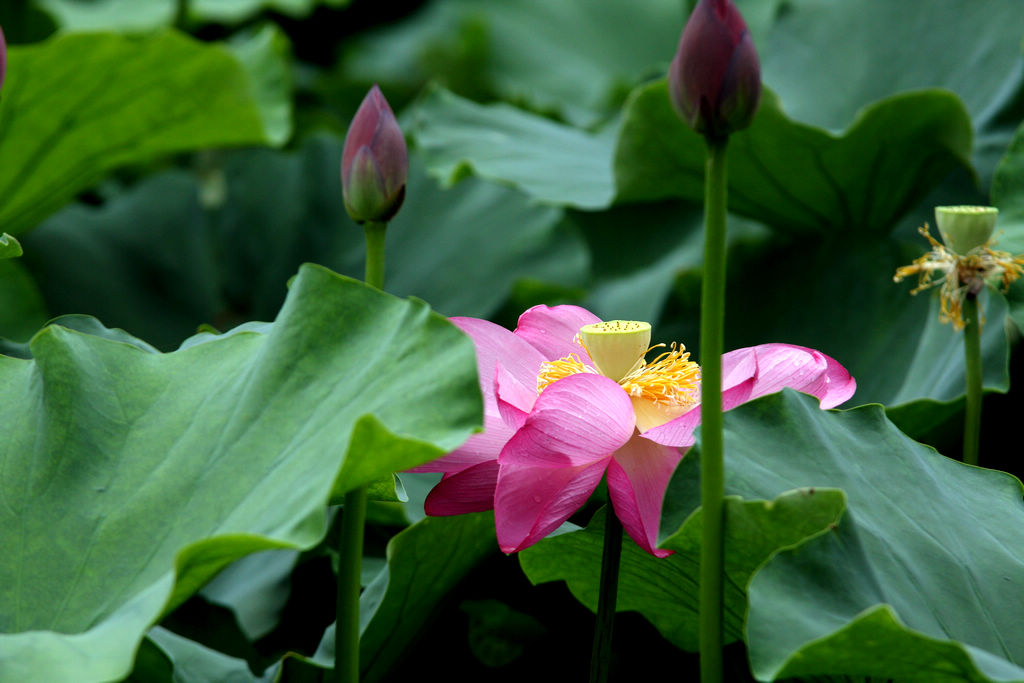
[(180, 14), (375, 233), (353, 521), (972, 364), (712, 487), (600, 657), (350, 561)]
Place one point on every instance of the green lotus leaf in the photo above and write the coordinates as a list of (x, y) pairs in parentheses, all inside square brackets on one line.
[(79, 105), (131, 477), (796, 177), (424, 563), (915, 582), (664, 590), (552, 162), (224, 262), (864, 52), (506, 49)]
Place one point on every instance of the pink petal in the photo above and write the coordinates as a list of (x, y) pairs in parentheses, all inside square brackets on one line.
[(637, 478), (495, 344), (477, 449), (756, 371), (515, 401), (796, 367), (551, 330), (575, 421), (471, 490), (531, 502)]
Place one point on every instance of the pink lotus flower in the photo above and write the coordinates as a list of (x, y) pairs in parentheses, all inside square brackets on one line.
[(556, 420)]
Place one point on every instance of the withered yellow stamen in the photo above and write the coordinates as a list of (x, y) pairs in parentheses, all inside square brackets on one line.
[(960, 274)]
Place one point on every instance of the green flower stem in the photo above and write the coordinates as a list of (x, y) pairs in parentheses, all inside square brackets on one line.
[(712, 487), (180, 14), (353, 520), (375, 253), (972, 362), (600, 656), (350, 560)]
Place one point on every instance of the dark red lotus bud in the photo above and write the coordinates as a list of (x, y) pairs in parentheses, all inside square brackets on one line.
[(3, 56), (375, 163), (715, 78)]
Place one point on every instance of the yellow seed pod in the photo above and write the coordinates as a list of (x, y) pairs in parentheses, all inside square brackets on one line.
[(616, 346)]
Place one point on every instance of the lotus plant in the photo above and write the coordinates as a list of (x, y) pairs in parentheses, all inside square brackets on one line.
[(374, 169), (714, 83), (965, 262)]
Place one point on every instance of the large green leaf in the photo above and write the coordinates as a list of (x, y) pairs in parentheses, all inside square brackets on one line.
[(77, 106), (796, 177), (575, 57), (170, 265), (1008, 196), (237, 11), (166, 657), (553, 163), (637, 251), (255, 588), (110, 15), (265, 54), (664, 590), (425, 562), (132, 15), (916, 582), (892, 342), (828, 60), (132, 477), (22, 309)]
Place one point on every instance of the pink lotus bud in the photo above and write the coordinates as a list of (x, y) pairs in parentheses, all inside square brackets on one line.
[(715, 78), (375, 163), (3, 56)]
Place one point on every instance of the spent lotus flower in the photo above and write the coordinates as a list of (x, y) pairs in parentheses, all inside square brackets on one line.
[(964, 260), (374, 162), (715, 78), (569, 399)]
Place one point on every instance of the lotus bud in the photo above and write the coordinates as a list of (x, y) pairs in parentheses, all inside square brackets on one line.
[(3, 57), (375, 162), (715, 77), (965, 227)]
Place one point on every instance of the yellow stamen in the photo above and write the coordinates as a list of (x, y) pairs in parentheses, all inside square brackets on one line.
[(554, 370), (670, 379), (660, 391)]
